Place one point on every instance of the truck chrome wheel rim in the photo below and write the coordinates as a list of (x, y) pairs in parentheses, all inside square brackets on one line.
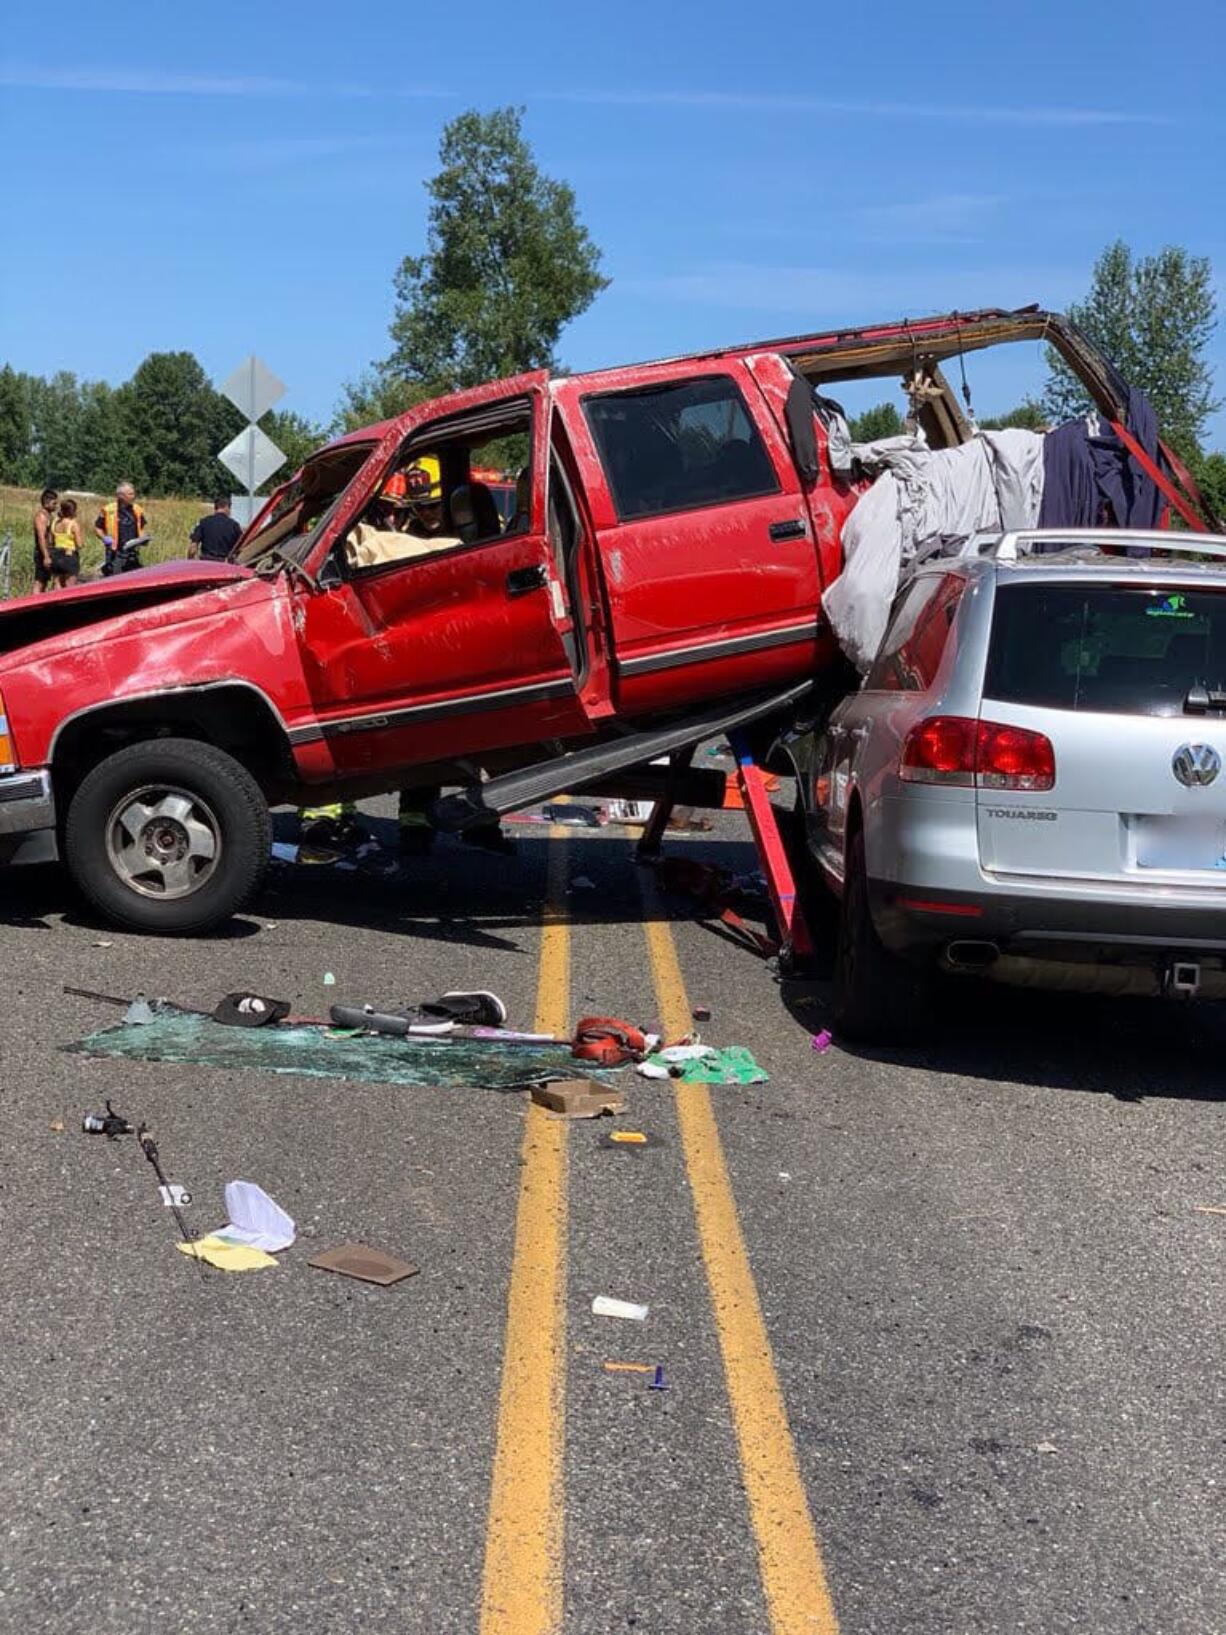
[(163, 842)]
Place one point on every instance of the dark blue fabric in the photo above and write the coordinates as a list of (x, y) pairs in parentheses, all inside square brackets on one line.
[(1092, 481)]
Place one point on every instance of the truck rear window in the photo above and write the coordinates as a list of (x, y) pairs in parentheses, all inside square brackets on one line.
[(678, 446), (1117, 649)]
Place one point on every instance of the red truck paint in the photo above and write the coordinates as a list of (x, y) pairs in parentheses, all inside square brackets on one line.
[(381, 677)]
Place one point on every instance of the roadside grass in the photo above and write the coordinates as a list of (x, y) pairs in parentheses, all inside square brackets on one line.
[(170, 521)]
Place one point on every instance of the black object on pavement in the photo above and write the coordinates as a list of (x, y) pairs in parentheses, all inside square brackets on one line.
[(110, 1124), (250, 1010), (473, 1008)]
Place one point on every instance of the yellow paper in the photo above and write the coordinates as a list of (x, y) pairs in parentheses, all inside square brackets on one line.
[(229, 1257)]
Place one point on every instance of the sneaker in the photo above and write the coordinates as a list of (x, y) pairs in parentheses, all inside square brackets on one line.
[(470, 1008)]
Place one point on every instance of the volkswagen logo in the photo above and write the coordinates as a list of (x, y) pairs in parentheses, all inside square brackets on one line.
[(1196, 764)]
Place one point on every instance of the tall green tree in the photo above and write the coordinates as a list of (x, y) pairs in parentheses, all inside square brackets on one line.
[(508, 264), (16, 465), (294, 435), (882, 420), (1154, 317), (172, 422)]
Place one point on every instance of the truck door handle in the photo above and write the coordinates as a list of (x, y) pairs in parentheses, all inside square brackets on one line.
[(521, 580), (788, 530)]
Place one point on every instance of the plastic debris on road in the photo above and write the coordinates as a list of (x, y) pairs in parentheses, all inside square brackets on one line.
[(254, 1219), (605, 1306), (822, 1041), (173, 1035), (227, 1257), (704, 1064)]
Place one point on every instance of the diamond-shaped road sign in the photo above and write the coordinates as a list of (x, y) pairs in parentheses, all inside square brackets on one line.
[(253, 388), (252, 457)]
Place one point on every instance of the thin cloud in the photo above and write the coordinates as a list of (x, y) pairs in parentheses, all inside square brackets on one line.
[(954, 112), (154, 82), (125, 82)]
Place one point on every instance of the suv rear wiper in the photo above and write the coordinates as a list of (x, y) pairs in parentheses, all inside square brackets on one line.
[(1200, 700)]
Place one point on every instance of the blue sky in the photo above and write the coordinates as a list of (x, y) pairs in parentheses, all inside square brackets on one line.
[(230, 177)]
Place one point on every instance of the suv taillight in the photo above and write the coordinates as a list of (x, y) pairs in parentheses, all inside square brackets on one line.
[(953, 749)]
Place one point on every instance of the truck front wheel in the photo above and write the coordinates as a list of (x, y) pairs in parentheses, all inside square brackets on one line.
[(168, 836)]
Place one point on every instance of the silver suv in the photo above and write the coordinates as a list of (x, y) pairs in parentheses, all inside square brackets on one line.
[(1028, 785)]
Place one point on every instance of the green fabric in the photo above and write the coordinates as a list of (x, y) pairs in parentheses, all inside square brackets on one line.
[(319, 1052), (734, 1064)]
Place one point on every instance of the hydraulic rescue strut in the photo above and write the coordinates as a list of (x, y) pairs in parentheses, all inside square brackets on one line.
[(796, 944)]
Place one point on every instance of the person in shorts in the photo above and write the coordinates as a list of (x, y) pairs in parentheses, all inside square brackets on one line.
[(66, 546), (44, 522)]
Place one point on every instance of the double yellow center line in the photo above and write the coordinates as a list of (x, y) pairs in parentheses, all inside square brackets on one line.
[(522, 1584)]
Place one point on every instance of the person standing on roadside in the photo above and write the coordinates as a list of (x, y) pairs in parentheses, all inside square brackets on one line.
[(118, 523), (214, 537), (66, 546), (44, 524)]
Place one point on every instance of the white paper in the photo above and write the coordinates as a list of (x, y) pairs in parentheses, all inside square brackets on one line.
[(255, 1219), (652, 1070), (605, 1306), (174, 1196)]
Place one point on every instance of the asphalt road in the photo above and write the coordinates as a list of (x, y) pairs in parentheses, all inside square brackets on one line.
[(943, 1329)]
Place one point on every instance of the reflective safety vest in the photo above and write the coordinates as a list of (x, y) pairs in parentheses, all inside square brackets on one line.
[(110, 520)]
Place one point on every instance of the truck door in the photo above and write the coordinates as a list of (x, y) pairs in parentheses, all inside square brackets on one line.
[(703, 532), (458, 648)]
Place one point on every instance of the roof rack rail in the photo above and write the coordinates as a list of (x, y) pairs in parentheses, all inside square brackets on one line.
[(1008, 547)]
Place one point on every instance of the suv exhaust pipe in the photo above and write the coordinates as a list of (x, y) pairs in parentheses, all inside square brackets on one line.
[(969, 955), (1181, 979)]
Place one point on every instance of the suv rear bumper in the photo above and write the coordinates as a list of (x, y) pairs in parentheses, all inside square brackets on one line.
[(27, 818), (921, 921)]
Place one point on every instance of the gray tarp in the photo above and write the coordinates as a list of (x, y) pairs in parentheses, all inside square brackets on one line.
[(992, 482)]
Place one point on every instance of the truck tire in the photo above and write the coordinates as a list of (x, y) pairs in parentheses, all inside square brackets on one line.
[(168, 836), (878, 997)]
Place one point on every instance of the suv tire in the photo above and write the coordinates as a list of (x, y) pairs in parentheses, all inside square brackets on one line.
[(878, 997), (168, 836)]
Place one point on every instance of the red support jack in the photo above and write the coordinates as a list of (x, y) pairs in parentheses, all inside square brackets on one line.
[(796, 944)]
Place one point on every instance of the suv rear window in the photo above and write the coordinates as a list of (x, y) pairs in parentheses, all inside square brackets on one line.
[(1116, 649), (678, 446)]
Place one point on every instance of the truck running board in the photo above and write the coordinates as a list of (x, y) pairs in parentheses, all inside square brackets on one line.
[(530, 784)]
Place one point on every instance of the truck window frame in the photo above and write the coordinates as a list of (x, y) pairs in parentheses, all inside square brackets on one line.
[(506, 417), (770, 487)]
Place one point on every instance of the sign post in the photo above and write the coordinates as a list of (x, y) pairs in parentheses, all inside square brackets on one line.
[(252, 456)]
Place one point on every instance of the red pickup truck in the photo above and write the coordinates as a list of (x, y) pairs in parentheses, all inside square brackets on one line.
[(658, 580)]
